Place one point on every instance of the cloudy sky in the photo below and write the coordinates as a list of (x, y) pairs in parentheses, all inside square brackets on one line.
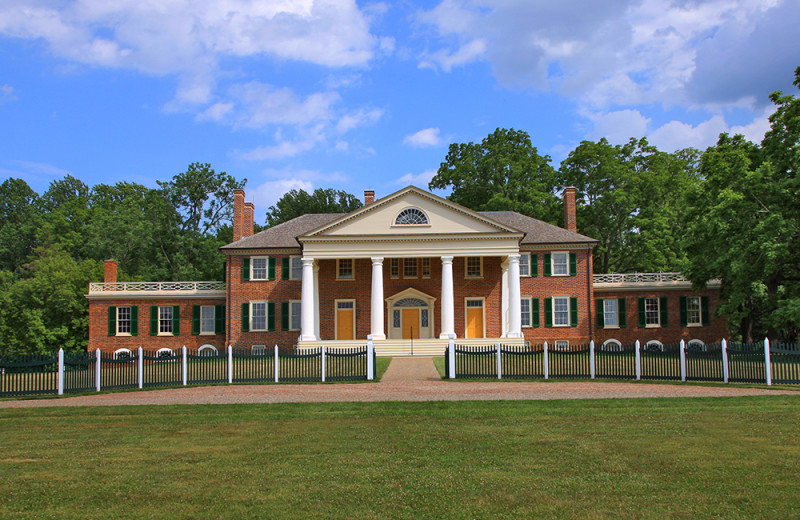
[(368, 95)]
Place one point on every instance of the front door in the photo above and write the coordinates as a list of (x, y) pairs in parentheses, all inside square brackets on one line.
[(345, 320), (410, 323), (474, 318)]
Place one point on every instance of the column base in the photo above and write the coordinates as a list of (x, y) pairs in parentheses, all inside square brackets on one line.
[(378, 337), (445, 335), (309, 337), (514, 335)]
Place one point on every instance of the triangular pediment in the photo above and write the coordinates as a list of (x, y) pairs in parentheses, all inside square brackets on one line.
[(439, 216)]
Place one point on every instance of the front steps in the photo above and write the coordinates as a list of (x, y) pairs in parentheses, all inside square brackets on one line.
[(416, 348)]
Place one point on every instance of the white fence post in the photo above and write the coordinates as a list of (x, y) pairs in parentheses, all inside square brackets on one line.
[(451, 344), (323, 363), (277, 365), (724, 361), (592, 371), (499, 363), (97, 368), (546, 363), (230, 364), (638, 360), (140, 371), (683, 361), (767, 361), (61, 371), (370, 359), (184, 366)]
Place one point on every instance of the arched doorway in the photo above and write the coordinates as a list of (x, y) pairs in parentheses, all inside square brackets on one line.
[(410, 315)]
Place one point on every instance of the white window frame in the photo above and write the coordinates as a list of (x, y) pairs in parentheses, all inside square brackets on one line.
[(658, 312), (553, 264), (292, 261), (394, 268), (293, 314), (410, 262), (119, 321), (127, 351), (426, 223), (165, 321), (426, 267), (613, 342), (466, 268), (206, 348), (339, 269), (253, 304), (656, 343), (204, 331), (699, 322), (561, 344), (615, 313), (553, 310), (258, 350), (529, 313), (168, 351), (253, 267), (525, 266)]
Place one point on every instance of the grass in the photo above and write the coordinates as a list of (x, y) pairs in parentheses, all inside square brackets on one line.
[(637, 458)]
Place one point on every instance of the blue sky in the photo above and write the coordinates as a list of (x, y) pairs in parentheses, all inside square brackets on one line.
[(368, 95)]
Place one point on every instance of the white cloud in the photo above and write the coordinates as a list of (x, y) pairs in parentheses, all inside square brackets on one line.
[(618, 126), (358, 118), (268, 193), (7, 94), (423, 138), (420, 180), (676, 135)]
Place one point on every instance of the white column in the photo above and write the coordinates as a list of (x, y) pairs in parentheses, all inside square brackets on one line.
[(61, 371), (140, 370), (316, 300), (767, 361), (724, 361), (592, 371), (307, 301), (504, 304), (184, 366), (97, 368), (376, 314), (683, 361), (638, 360), (230, 364), (448, 308), (514, 306)]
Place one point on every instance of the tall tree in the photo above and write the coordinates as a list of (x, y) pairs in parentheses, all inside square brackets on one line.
[(299, 202), (502, 172), (18, 223)]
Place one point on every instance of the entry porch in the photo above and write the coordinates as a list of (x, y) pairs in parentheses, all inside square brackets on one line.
[(417, 347)]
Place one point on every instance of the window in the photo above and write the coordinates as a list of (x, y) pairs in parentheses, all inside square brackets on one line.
[(258, 267), (410, 268), (411, 217), (207, 350), (561, 311), (424, 318), (396, 319), (123, 320), (295, 268), (258, 316), (258, 350), (696, 345), (610, 311), (561, 344), (395, 268), (654, 346), (164, 353), (207, 317), (611, 345), (123, 353), (426, 267), (693, 311), (344, 269), (525, 310), (474, 267), (651, 312), (165, 320), (294, 315), (560, 264), (525, 264)]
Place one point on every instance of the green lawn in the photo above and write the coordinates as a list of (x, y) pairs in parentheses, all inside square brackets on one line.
[(637, 458)]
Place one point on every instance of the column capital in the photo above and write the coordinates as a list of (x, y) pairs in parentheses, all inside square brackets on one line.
[(447, 259), (377, 260), (514, 258), (307, 260)]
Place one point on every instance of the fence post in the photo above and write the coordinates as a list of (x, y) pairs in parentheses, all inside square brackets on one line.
[(724, 361), (140, 369), (591, 359), (499, 363), (683, 361), (184, 366), (767, 361), (370, 359), (61, 371), (97, 368), (546, 363), (277, 365), (230, 364), (451, 344), (638, 360), (323, 364)]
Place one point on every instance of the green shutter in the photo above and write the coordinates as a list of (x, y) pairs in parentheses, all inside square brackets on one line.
[(195, 319), (623, 315), (246, 317), (704, 310), (662, 306), (548, 264), (642, 321), (224, 271), (284, 315), (534, 265), (601, 317), (548, 312), (135, 320), (573, 312), (271, 268), (573, 264), (153, 320), (176, 320), (285, 268), (246, 268), (270, 315), (219, 319), (534, 312), (112, 320), (684, 317)]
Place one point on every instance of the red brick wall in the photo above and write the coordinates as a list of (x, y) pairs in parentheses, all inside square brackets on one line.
[(98, 326), (673, 332)]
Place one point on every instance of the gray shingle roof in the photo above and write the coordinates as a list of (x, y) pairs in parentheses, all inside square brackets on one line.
[(536, 231)]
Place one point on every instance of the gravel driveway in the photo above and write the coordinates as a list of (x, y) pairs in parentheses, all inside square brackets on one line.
[(407, 379)]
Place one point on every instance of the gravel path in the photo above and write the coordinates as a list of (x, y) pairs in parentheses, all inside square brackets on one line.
[(407, 379)]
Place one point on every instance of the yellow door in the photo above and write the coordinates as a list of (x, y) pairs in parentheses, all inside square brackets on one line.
[(474, 319), (410, 323), (345, 312)]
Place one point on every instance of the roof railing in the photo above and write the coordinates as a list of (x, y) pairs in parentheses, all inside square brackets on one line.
[(639, 278), (186, 287)]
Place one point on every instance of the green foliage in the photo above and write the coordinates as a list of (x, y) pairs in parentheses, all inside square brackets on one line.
[(502, 173), (299, 202), (19, 220)]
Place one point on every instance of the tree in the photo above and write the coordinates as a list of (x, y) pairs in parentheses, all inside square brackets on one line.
[(502, 173), (18, 223), (295, 203)]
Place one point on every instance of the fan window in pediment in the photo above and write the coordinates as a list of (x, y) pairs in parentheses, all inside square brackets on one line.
[(411, 217)]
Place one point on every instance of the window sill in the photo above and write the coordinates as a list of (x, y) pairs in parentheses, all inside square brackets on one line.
[(345, 279), (611, 327), (694, 324), (561, 326), (473, 277), (656, 326), (123, 334), (208, 334), (165, 334)]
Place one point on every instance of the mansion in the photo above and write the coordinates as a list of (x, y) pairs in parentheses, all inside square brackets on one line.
[(409, 271)]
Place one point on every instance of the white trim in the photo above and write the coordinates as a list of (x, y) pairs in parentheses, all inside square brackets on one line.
[(130, 320), (467, 276), (252, 269), (654, 342), (258, 350), (416, 268), (171, 320), (605, 324), (530, 313), (561, 344), (658, 313), (207, 347), (553, 312), (699, 322), (553, 263), (616, 342), (213, 320), (466, 318), (119, 350), (352, 270), (266, 315), (291, 267), (169, 350), (336, 317), (529, 256), (408, 208), (291, 313)]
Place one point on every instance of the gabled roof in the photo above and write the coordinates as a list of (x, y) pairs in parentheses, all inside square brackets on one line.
[(536, 231), (284, 235)]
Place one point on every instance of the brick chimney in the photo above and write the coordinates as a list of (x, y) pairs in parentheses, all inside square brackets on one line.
[(110, 271), (570, 221), (238, 214), (249, 210), (369, 197)]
